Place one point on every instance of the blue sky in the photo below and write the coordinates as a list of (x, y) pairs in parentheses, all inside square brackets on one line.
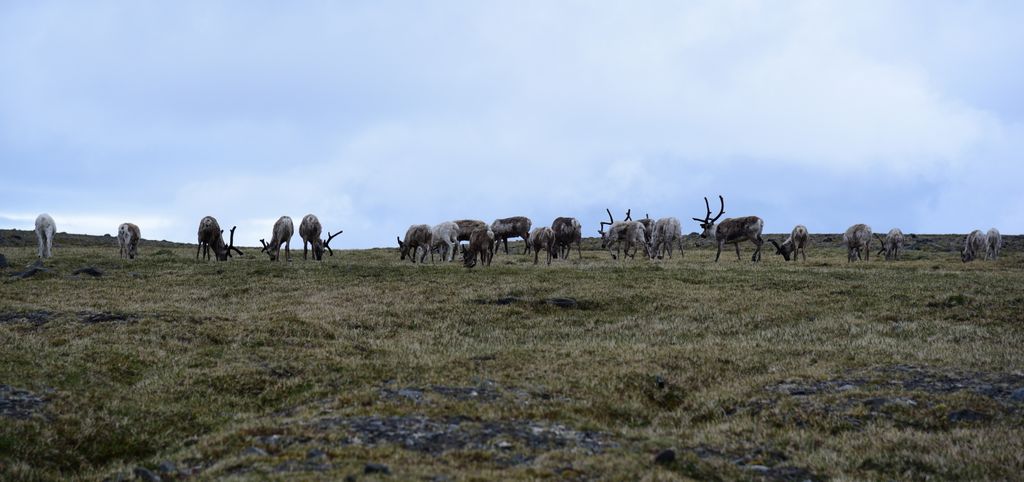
[(377, 115)]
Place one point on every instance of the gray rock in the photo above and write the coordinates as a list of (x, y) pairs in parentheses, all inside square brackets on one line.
[(966, 415), (562, 302), (1017, 395), (3, 262), (666, 456), (845, 388), (757, 468), (143, 473), (255, 451), (89, 270), (316, 454), (167, 467), (376, 469)]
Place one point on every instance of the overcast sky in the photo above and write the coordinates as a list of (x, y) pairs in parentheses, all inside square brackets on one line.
[(376, 115)]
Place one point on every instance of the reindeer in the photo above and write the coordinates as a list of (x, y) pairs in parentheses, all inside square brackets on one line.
[(481, 242), (794, 244), (542, 239), (995, 243), (416, 237), (444, 237), (891, 244), (648, 227), (128, 236), (282, 233), (667, 233), (510, 228), (857, 239), (211, 236), (45, 229), (630, 233), (309, 230), (467, 226), (974, 245), (732, 230), (566, 231)]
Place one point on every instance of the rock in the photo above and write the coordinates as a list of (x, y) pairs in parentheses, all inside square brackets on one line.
[(504, 445), (411, 394), (143, 473), (664, 457), (31, 271), (316, 454), (562, 302), (255, 451), (167, 467), (757, 468), (845, 388), (89, 270), (36, 264), (875, 403), (966, 415), (376, 469), (3, 262), (1017, 395)]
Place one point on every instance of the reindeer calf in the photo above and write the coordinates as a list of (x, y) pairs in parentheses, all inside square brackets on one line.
[(542, 239), (481, 243)]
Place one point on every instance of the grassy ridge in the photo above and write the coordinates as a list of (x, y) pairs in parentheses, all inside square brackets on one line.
[(259, 369)]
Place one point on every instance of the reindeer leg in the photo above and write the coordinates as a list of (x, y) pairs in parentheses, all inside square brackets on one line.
[(737, 245), (719, 253)]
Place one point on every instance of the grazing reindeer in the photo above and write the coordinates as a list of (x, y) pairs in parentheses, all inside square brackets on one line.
[(467, 226), (974, 245), (732, 230), (667, 233), (995, 243), (128, 236), (891, 245), (648, 227), (45, 229), (857, 239), (510, 228), (211, 236), (309, 230), (416, 237), (630, 233), (481, 242), (445, 237), (282, 233), (566, 232), (542, 239), (795, 244)]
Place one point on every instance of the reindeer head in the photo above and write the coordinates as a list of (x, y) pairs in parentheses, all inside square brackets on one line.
[(403, 249), (784, 249), (224, 252), (602, 232), (708, 223), (320, 244)]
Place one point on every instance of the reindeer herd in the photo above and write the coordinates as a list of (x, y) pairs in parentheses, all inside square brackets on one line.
[(622, 239)]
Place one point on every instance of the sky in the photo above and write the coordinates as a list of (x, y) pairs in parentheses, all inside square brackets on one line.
[(380, 114)]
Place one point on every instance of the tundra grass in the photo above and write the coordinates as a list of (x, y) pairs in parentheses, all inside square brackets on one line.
[(586, 369)]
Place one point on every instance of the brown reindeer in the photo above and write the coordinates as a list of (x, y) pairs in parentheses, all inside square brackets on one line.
[(309, 230), (416, 237), (566, 231), (542, 239), (481, 243), (516, 226), (212, 237), (732, 230)]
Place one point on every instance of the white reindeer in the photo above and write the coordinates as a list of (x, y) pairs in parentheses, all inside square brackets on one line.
[(857, 239), (995, 243), (632, 234), (45, 229), (667, 233), (445, 238), (128, 236), (892, 244)]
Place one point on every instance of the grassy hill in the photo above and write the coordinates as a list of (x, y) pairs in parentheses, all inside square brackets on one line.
[(587, 369)]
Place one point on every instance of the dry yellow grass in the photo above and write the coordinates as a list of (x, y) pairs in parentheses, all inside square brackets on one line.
[(253, 369)]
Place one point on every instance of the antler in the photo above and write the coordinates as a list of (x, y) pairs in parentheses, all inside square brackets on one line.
[(231, 244), (610, 219), (327, 242), (264, 243), (707, 216), (629, 217), (721, 211)]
